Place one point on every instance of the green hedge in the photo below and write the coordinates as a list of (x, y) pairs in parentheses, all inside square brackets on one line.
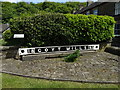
[(62, 29), (90, 28)]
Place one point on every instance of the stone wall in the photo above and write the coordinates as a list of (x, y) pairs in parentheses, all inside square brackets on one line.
[(9, 52)]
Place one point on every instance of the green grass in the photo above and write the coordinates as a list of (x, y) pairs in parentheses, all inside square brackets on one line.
[(11, 81)]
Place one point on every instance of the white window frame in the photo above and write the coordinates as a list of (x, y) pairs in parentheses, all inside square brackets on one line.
[(117, 8)]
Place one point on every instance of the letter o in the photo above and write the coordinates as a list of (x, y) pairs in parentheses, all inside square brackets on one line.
[(39, 50), (46, 50)]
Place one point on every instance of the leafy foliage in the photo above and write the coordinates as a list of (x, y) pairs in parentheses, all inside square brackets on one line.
[(2, 42), (11, 10), (63, 29), (90, 28), (8, 11), (57, 7), (7, 35), (72, 57), (39, 27), (23, 7), (8, 39)]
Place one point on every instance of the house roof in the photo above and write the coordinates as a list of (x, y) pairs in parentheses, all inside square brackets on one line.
[(3, 27), (91, 6)]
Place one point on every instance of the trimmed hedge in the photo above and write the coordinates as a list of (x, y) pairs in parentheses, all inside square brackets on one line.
[(91, 28), (63, 29)]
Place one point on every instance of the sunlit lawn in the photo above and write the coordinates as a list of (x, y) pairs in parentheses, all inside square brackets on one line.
[(11, 81)]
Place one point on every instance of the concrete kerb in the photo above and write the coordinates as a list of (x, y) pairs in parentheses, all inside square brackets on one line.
[(55, 79)]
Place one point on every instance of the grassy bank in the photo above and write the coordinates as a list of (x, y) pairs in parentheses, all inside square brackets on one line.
[(11, 81)]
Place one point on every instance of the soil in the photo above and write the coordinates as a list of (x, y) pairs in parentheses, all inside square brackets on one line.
[(92, 66)]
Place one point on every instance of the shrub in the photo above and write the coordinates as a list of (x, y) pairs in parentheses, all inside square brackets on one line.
[(9, 40), (90, 28), (7, 35), (2, 42), (72, 57), (62, 29), (41, 30)]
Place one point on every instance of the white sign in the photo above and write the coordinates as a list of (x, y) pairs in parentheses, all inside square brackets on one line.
[(18, 36), (50, 49)]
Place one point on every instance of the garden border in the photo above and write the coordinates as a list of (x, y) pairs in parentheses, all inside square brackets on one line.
[(107, 82)]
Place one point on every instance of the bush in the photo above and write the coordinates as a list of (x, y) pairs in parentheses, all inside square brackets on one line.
[(7, 35), (72, 57), (62, 29), (2, 42), (41, 30), (9, 40), (90, 28)]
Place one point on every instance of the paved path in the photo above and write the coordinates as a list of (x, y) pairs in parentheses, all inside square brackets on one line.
[(96, 66)]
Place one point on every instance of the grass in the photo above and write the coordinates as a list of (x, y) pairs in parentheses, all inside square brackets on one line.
[(11, 81)]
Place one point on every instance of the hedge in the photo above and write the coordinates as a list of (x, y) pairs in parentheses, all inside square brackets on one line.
[(63, 29)]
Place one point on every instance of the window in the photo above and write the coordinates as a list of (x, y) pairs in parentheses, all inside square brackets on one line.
[(117, 29), (95, 11), (88, 12), (117, 8)]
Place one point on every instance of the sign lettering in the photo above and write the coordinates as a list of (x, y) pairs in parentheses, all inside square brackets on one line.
[(50, 49)]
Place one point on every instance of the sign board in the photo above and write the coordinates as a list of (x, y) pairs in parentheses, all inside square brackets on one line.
[(50, 49), (18, 36)]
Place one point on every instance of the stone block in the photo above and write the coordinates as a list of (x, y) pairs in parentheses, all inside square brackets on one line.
[(44, 55), (113, 50), (33, 57)]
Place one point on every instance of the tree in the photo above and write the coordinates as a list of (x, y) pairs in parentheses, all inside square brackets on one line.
[(63, 9), (8, 11), (38, 6), (11, 10), (23, 7)]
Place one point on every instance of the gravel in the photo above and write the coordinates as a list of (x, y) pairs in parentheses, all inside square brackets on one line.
[(92, 66)]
